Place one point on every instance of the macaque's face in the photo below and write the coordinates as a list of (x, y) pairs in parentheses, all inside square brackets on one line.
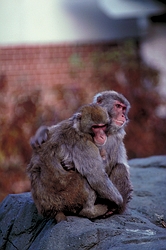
[(100, 136), (117, 107), (119, 116), (95, 121)]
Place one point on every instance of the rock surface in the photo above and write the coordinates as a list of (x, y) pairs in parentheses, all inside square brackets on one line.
[(141, 227)]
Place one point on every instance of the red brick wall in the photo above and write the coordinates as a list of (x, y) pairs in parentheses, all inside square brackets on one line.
[(47, 65)]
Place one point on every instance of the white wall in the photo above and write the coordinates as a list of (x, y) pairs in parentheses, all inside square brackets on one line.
[(54, 21)]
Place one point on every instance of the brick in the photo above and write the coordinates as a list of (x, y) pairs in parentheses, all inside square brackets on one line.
[(44, 66)]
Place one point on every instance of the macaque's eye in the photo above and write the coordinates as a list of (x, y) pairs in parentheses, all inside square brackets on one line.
[(118, 106)]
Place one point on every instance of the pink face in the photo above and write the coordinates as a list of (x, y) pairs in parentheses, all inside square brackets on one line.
[(119, 117), (100, 137)]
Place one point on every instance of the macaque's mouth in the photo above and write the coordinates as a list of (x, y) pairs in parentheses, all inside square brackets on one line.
[(99, 136), (119, 122)]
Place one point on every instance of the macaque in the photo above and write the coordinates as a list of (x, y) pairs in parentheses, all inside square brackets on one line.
[(113, 153), (67, 171), (116, 166)]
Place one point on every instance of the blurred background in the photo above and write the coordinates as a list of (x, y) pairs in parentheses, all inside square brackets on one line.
[(56, 55)]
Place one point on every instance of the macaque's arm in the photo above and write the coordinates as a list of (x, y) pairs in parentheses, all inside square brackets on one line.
[(88, 162)]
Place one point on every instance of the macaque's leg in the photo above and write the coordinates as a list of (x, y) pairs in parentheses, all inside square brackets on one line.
[(94, 211), (90, 210), (121, 179)]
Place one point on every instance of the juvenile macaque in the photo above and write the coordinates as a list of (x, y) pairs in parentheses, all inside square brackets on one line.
[(113, 153), (71, 145)]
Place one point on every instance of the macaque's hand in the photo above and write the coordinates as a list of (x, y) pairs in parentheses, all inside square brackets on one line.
[(40, 137)]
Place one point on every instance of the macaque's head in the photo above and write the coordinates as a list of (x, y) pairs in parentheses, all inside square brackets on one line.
[(116, 105), (94, 120)]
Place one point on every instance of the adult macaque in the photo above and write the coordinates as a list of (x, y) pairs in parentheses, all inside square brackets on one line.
[(114, 152), (71, 145), (116, 164), (117, 107)]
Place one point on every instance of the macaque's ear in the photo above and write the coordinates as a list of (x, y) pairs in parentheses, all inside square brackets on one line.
[(78, 116)]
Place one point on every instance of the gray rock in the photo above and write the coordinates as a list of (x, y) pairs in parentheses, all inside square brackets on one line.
[(141, 227), (158, 161), (149, 180)]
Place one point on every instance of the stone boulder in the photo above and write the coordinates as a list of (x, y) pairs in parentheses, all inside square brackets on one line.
[(143, 226)]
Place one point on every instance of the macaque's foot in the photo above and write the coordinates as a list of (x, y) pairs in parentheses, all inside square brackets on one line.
[(94, 212), (109, 213), (60, 216)]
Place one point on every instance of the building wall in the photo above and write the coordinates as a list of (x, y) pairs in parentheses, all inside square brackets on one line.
[(42, 67)]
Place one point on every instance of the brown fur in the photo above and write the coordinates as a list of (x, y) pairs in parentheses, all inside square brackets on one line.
[(51, 189)]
